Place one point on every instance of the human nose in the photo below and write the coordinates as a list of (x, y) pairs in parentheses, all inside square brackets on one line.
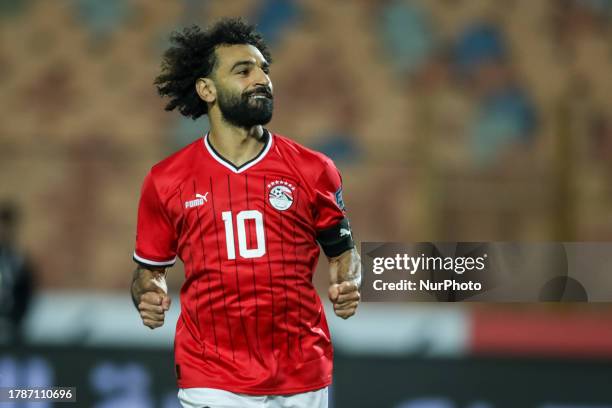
[(263, 79)]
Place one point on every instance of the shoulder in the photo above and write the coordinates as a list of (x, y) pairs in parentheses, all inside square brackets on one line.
[(302, 156), (178, 158), (174, 167)]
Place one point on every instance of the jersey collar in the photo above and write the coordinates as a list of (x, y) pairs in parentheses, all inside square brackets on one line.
[(226, 163)]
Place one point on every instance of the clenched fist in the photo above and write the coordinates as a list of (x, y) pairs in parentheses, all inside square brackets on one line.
[(345, 276), (149, 292), (345, 297)]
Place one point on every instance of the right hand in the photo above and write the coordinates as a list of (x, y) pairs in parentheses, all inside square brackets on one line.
[(152, 300)]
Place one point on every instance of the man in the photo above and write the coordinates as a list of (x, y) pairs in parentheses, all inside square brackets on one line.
[(16, 277), (244, 209)]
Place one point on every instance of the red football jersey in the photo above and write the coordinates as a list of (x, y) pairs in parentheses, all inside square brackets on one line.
[(251, 321)]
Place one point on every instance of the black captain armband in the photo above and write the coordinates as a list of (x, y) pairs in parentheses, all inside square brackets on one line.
[(337, 239)]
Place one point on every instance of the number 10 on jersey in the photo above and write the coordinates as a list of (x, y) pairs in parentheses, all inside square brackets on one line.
[(241, 218)]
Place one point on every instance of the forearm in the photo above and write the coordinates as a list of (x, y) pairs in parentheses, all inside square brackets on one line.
[(346, 268), (142, 279), (345, 277)]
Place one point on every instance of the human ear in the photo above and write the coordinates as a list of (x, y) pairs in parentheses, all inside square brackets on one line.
[(206, 90)]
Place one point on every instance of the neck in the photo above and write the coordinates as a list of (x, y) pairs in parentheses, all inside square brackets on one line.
[(236, 144)]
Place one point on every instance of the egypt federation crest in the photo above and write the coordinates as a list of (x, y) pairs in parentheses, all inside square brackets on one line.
[(280, 194)]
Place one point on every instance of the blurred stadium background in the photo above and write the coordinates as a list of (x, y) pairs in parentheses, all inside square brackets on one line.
[(472, 120)]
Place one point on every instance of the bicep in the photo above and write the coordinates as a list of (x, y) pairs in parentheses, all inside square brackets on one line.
[(156, 238)]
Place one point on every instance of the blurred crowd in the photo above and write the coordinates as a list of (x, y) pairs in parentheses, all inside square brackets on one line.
[(450, 120)]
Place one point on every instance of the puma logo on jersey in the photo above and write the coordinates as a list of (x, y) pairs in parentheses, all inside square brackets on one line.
[(344, 232), (200, 200)]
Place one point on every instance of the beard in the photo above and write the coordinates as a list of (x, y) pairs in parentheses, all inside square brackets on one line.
[(244, 110)]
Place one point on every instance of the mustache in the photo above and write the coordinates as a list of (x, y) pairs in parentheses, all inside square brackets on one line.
[(262, 90)]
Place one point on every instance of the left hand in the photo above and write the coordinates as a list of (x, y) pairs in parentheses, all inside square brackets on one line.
[(345, 275), (345, 297)]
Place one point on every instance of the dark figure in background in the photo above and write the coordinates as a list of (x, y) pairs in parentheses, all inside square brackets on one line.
[(15, 277)]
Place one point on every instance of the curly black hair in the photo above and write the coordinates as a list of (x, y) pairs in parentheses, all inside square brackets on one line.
[(193, 57)]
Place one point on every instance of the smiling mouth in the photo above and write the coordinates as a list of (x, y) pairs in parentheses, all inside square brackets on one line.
[(261, 94), (260, 98)]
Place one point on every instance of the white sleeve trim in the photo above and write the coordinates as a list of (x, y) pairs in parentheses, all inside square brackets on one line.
[(154, 263)]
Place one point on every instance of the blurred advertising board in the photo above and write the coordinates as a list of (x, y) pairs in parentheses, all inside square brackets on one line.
[(133, 377)]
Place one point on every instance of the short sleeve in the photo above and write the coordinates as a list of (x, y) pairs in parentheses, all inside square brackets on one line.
[(329, 206), (156, 239)]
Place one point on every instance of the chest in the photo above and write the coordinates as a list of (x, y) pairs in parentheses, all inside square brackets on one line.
[(267, 204)]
